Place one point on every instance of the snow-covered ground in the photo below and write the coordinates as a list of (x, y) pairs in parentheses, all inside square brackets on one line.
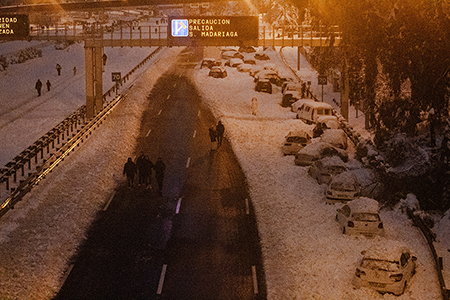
[(305, 254)]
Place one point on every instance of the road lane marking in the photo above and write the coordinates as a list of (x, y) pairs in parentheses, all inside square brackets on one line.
[(195, 133), (109, 201), (198, 114), (247, 207), (148, 133), (188, 162), (168, 97), (255, 280), (159, 112), (161, 280), (174, 85), (177, 210)]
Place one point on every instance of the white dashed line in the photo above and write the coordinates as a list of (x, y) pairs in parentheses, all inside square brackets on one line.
[(148, 133), (255, 280), (159, 112), (109, 201), (247, 207), (195, 133), (188, 162), (198, 114), (168, 97), (174, 85), (161, 280), (177, 210)]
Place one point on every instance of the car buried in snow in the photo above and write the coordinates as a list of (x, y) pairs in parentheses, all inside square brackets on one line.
[(318, 150), (386, 268), (294, 141), (360, 216), (323, 170), (343, 187)]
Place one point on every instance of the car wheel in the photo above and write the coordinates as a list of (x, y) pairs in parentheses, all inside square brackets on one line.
[(336, 217), (296, 116), (343, 230)]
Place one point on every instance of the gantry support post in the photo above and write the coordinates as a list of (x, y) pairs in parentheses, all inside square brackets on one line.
[(94, 80), (345, 90)]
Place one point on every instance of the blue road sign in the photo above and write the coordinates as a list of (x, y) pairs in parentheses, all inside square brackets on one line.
[(180, 27)]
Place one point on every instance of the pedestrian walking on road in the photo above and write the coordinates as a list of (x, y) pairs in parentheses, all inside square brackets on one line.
[(130, 170), (58, 69), (148, 166), (254, 106), (159, 167), (140, 164), (38, 86), (220, 129), (48, 85), (213, 138)]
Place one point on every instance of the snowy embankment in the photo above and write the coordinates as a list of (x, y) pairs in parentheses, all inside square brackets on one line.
[(305, 254), (42, 233)]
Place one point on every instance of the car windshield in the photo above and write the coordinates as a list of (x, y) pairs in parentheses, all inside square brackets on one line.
[(380, 265), (366, 217), (343, 186)]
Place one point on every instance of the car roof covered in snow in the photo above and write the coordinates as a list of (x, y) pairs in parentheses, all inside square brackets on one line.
[(332, 161), (364, 204), (389, 250)]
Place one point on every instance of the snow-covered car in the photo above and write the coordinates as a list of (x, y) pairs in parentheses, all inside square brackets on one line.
[(249, 61), (289, 98), (247, 49), (294, 141), (244, 67), (234, 62), (209, 63), (290, 86), (269, 74), (360, 216), (263, 85), (386, 268), (271, 66), (330, 121), (335, 137), (343, 187), (317, 150), (218, 72), (298, 104), (323, 170), (232, 54), (255, 70), (261, 56)]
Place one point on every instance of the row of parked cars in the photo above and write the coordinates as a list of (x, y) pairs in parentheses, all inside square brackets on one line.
[(387, 267)]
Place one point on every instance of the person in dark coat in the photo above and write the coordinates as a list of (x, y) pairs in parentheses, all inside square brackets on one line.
[(220, 129), (159, 167), (213, 138), (130, 170), (38, 86), (140, 164), (58, 69), (48, 85), (148, 166)]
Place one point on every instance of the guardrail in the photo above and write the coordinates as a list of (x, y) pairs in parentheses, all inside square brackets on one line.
[(28, 168), (429, 236)]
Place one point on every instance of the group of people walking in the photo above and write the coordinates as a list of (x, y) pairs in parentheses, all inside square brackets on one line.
[(38, 85), (216, 135), (143, 169)]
